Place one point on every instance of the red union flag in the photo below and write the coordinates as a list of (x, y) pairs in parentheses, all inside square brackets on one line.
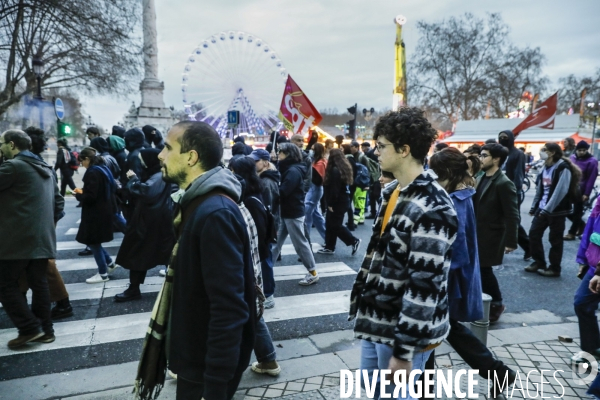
[(297, 112), (541, 117)]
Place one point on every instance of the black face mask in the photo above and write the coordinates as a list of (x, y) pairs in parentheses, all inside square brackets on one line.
[(504, 142)]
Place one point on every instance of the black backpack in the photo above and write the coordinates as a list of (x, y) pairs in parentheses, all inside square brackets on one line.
[(271, 223)]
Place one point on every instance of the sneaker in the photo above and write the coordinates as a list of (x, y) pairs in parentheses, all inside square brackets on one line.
[(569, 237), (549, 272), (326, 251), (59, 311), (111, 267), (97, 279), (269, 302), (85, 252), (495, 312), (356, 246), (269, 368), (533, 267), (162, 272), (46, 338), (309, 279), (22, 340)]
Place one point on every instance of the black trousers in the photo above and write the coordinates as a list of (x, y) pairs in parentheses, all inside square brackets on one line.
[(137, 277), (334, 227), (374, 197), (36, 319), (188, 390), (557, 228), (489, 284), (576, 217), (522, 239), (66, 178), (350, 209)]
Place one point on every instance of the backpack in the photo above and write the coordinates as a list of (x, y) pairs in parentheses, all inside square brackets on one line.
[(362, 179), (271, 223), (374, 170), (72, 159)]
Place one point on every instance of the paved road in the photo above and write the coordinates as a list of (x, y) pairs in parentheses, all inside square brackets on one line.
[(103, 332)]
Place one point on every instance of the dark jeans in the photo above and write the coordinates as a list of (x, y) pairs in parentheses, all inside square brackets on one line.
[(334, 227), (536, 232), (26, 320), (576, 217), (66, 178), (374, 197), (266, 267), (586, 304), (137, 277), (101, 256), (489, 284)]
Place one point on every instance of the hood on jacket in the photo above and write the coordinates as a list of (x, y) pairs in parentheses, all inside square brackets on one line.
[(216, 178), (286, 164), (238, 148), (116, 143), (274, 175), (147, 129), (134, 139), (100, 144), (239, 139), (118, 131), (510, 141), (38, 165)]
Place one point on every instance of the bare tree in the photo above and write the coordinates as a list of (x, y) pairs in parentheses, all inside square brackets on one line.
[(571, 88), (85, 44), (462, 62)]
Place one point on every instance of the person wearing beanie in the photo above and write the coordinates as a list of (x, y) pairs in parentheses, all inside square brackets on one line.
[(150, 236), (588, 165)]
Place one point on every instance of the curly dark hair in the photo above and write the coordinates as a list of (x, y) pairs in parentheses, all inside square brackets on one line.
[(407, 126)]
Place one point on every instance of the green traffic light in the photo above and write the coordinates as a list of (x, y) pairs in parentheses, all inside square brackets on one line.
[(67, 130)]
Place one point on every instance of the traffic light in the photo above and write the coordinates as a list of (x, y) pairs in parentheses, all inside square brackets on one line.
[(64, 129), (352, 123)]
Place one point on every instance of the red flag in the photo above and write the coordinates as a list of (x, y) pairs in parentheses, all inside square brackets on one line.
[(541, 117), (297, 112)]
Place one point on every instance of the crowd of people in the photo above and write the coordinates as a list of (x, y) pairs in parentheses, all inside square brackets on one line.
[(220, 229)]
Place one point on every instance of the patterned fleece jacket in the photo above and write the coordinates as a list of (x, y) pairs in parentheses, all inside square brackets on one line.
[(400, 296)]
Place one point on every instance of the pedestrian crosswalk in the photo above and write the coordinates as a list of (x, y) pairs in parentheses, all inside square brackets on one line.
[(116, 330)]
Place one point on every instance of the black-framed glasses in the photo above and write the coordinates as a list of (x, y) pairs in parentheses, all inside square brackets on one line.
[(484, 155), (380, 146)]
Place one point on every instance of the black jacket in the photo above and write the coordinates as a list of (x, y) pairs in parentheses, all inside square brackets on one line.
[(307, 160), (150, 139), (134, 142), (98, 206), (254, 204), (335, 191), (211, 333), (514, 167), (291, 190)]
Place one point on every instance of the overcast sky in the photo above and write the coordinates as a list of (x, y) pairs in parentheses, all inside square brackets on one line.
[(342, 51)]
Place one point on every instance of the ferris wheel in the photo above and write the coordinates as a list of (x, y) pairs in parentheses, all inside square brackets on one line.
[(234, 71)]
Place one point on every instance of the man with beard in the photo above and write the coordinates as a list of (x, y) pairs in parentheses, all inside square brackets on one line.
[(497, 214), (514, 168), (211, 312)]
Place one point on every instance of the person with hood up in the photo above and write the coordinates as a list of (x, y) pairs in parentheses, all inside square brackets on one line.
[(211, 309), (134, 142), (63, 164), (117, 150), (152, 136), (101, 146), (514, 168), (247, 149), (238, 150), (588, 165), (119, 131), (291, 191), (150, 236), (31, 206), (556, 185), (97, 212)]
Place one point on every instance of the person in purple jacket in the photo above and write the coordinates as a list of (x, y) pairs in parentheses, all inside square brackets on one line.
[(588, 165)]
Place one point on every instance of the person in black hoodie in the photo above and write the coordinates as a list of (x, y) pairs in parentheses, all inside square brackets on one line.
[(134, 142), (338, 177), (514, 168), (118, 131), (247, 149), (291, 194), (102, 147), (152, 136)]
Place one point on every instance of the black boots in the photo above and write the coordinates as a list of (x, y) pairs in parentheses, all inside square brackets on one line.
[(131, 293)]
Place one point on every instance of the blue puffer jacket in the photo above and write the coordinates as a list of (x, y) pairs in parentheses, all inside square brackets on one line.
[(464, 279)]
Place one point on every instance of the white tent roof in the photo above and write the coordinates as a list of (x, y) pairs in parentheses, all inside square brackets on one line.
[(480, 130)]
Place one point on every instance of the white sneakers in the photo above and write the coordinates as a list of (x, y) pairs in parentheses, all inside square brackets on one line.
[(162, 272), (309, 279), (111, 267), (97, 279)]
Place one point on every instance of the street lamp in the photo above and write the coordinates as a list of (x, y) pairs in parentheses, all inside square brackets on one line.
[(38, 70)]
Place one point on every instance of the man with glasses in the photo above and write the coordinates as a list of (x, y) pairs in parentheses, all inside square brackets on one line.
[(31, 205), (497, 213), (399, 299)]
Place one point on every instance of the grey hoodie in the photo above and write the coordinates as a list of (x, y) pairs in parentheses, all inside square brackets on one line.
[(216, 178)]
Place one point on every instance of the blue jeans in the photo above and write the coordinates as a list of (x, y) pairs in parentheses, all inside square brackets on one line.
[(263, 344), (266, 267), (377, 356), (586, 304), (101, 256), (312, 211)]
